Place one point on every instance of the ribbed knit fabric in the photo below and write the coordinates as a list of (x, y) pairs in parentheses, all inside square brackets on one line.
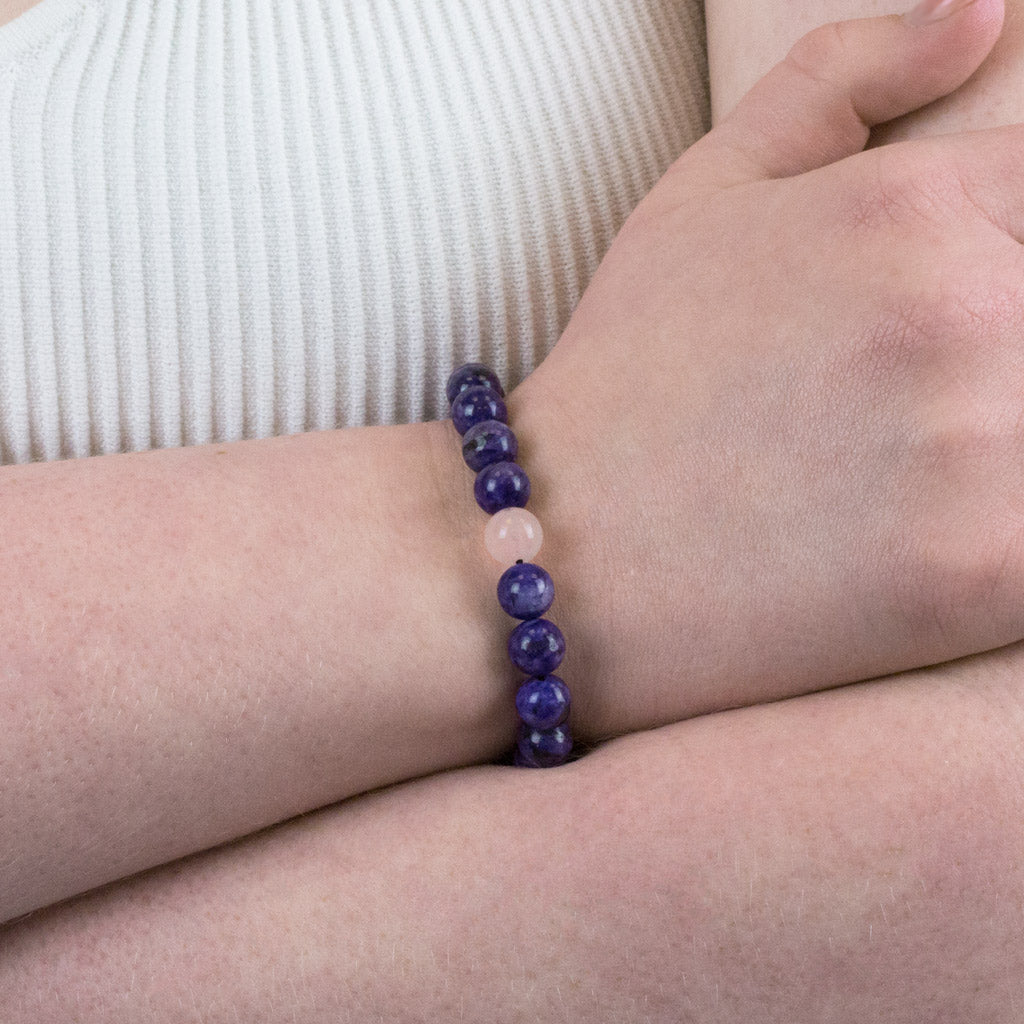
[(237, 218)]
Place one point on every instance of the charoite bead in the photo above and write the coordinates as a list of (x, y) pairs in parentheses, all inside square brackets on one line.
[(542, 748), (525, 591), (501, 485), (543, 702), (476, 405), (470, 375), (488, 442), (536, 646), (513, 534)]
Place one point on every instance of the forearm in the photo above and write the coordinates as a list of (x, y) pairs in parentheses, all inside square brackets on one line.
[(845, 857), (196, 643)]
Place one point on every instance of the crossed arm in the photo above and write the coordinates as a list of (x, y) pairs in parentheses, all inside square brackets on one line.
[(723, 860), (844, 856)]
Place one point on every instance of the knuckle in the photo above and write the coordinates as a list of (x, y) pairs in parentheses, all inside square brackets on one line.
[(944, 317), (989, 173), (956, 444), (916, 327), (956, 560), (958, 433), (968, 552), (952, 576), (942, 312), (967, 315), (900, 186), (942, 324), (815, 54)]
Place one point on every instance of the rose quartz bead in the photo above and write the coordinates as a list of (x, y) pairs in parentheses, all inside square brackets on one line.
[(513, 533)]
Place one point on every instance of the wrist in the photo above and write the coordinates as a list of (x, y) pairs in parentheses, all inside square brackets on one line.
[(635, 626), (475, 685), (558, 466)]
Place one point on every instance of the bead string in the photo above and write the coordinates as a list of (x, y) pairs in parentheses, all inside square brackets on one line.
[(513, 536)]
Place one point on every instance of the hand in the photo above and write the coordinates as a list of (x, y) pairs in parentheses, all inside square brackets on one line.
[(780, 444)]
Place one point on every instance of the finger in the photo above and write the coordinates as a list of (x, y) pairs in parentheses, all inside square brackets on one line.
[(837, 82)]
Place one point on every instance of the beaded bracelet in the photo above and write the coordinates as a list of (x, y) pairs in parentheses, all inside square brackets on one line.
[(513, 535)]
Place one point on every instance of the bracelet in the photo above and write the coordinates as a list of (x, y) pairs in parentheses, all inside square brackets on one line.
[(513, 536)]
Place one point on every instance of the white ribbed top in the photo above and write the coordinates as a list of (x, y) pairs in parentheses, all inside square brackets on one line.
[(235, 218)]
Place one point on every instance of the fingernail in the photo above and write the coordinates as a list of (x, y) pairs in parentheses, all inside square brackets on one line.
[(929, 11)]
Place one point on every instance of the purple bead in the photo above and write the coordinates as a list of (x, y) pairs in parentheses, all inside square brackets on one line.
[(525, 591), (501, 485), (542, 748), (487, 442), (469, 375), (536, 646), (543, 702), (475, 405)]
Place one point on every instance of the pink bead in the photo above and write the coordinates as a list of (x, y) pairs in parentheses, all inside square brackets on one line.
[(513, 533)]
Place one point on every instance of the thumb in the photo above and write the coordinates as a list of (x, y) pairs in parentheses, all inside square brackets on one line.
[(840, 80)]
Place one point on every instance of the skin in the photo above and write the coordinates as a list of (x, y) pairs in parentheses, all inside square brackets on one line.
[(842, 857), (847, 856), (782, 534), (199, 642), (796, 493), (746, 40), (10, 9)]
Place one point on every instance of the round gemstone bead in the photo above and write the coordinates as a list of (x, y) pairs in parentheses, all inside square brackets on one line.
[(501, 485), (513, 534), (487, 442), (536, 646), (543, 702), (525, 591), (469, 375), (542, 748), (475, 405)]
